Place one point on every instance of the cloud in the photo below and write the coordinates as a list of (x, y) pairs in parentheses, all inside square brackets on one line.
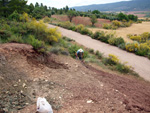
[(71, 3)]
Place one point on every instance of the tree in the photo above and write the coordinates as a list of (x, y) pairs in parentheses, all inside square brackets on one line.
[(71, 14), (4, 8), (93, 19), (18, 5), (41, 4), (132, 17), (66, 9), (37, 4), (39, 12), (122, 16), (31, 8), (96, 12), (7, 7)]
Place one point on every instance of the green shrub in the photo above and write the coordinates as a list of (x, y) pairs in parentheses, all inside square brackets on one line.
[(112, 41), (67, 25), (119, 41), (91, 51), (122, 46), (123, 68), (37, 44), (5, 34), (97, 34), (68, 39), (15, 38), (56, 50), (105, 38), (14, 16), (99, 55)]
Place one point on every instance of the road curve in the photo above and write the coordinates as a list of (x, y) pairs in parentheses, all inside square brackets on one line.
[(140, 64)]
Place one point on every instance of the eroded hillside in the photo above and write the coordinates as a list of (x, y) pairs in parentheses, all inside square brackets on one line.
[(69, 85)]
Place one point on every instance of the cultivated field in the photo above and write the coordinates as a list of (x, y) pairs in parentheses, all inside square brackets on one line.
[(134, 29), (80, 20)]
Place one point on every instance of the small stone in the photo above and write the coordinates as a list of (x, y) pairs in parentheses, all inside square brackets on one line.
[(15, 85), (21, 91), (60, 97), (102, 85), (23, 85), (89, 101), (19, 80)]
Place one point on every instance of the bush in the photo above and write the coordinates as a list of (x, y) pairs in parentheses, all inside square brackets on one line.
[(145, 36), (99, 55), (37, 44), (132, 47), (5, 34), (56, 50), (24, 17), (122, 46), (41, 32), (97, 34), (112, 41), (119, 41), (47, 19), (107, 26), (116, 23), (111, 60), (143, 49), (105, 38), (91, 51), (136, 38), (67, 24), (123, 68), (15, 38), (14, 16)]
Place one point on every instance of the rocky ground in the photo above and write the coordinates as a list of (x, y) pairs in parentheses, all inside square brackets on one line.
[(69, 85)]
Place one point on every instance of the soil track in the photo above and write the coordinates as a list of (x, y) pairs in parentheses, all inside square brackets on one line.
[(140, 64), (68, 85)]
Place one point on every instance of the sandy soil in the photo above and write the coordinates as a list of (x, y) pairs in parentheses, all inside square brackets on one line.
[(69, 85), (123, 32), (140, 64)]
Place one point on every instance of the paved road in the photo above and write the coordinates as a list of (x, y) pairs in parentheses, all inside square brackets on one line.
[(140, 64)]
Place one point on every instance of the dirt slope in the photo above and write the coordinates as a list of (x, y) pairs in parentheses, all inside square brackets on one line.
[(68, 85), (140, 64)]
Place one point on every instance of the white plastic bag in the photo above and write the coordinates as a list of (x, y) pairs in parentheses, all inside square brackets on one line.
[(43, 106)]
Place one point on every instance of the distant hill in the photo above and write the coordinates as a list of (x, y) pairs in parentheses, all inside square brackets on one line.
[(134, 5)]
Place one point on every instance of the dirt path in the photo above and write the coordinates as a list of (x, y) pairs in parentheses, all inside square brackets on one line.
[(140, 64)]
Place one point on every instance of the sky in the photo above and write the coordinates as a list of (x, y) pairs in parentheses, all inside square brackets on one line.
[(71, 3)]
